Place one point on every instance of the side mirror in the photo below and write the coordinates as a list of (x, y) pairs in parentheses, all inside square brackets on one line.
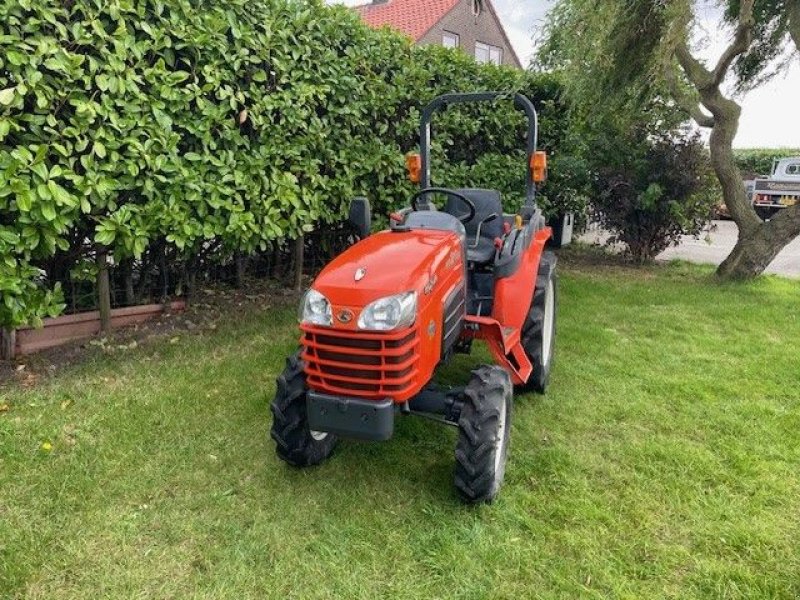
[(361, 216)]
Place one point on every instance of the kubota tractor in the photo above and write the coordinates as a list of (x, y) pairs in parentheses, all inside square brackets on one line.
[(383, 316)]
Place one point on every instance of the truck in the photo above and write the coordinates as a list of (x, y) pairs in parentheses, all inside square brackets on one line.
[(779, 190)]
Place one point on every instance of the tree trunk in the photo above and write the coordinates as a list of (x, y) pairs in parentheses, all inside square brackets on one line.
[(130, 292), (793, 10), (144, 293), (759, 242), (726, 124), (164, 275), (275, 261), (8, 344), (299, 247), (241, 269), (103, 291), (758, 247), (189, 278), (191, 286)]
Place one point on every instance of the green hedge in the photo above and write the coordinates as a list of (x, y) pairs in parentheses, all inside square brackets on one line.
[(222, 125)]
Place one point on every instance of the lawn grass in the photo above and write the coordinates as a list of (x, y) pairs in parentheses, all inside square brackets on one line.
[(663, 462)]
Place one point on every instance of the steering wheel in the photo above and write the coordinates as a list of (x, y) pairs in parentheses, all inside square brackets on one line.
[(466, 218)]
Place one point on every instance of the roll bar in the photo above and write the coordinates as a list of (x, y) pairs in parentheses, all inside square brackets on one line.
[(520, 101)]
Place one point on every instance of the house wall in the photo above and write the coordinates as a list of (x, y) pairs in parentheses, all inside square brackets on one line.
[(484, 28)]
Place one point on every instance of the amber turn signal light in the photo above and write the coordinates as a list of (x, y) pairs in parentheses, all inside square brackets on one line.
[(414, 167), (539, 166)]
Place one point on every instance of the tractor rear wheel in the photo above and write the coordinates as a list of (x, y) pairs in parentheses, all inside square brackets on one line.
[(484, 429), (296, 443), (539, 329)]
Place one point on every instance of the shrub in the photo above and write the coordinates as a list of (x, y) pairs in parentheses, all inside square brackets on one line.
[(183, 131), (651, 196)]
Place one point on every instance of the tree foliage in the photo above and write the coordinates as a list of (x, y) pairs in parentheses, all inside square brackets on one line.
[(626, 47), (213, 126), (626, 54), (775, 22)]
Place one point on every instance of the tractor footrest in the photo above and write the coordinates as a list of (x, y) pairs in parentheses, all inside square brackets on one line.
[(350, 417)]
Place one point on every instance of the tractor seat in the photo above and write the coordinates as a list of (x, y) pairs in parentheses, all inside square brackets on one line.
[(486, 202), (483, 254)]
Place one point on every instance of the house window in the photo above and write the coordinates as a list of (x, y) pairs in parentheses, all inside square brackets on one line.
[(477, 7), (793, 169), (451, 40), (486, 53)]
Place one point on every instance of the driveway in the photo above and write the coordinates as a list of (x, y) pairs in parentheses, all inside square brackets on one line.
[(714, 247)]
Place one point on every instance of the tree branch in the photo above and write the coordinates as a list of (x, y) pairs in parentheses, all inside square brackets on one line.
[(725, 114), (687, 101), (696, 71), (701, 118), (793, 11), (740, 44), (698, 75)]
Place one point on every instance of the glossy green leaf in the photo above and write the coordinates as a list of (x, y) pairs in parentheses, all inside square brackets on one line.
[(48, 211), (7, 96)]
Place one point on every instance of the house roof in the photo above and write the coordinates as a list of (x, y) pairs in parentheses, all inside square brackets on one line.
[(413, 17)]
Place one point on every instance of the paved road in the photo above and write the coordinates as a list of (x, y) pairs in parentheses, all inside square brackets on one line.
[(714, 247)]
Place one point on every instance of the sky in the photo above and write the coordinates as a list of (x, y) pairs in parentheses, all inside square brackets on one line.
[(770, 115)]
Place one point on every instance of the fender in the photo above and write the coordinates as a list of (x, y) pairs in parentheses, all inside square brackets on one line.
[(512, 302)]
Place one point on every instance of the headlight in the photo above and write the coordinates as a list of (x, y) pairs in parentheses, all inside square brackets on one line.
[(315, 309), (386, 314)]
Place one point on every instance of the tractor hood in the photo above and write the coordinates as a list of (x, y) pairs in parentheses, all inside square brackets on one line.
[(387, 263)]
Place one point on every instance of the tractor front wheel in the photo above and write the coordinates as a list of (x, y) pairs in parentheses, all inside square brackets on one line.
[(484, 429), (539, 329), (296, 443)]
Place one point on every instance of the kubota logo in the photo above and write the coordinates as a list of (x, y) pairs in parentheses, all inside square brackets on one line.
[(345, 316), (361, 273), (430, 285), (453, 260)]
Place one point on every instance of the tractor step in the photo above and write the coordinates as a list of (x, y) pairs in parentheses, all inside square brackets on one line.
[(506, 345)]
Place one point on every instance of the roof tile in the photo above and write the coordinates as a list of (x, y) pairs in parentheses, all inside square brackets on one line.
[(413, 17)]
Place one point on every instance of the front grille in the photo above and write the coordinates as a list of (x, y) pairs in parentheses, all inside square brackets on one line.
[(359, 364), (454, 314)]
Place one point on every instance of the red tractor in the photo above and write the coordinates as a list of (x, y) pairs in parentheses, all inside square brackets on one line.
[(383, 316)]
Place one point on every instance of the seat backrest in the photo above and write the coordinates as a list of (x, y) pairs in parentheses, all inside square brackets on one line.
[(486, 202)]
